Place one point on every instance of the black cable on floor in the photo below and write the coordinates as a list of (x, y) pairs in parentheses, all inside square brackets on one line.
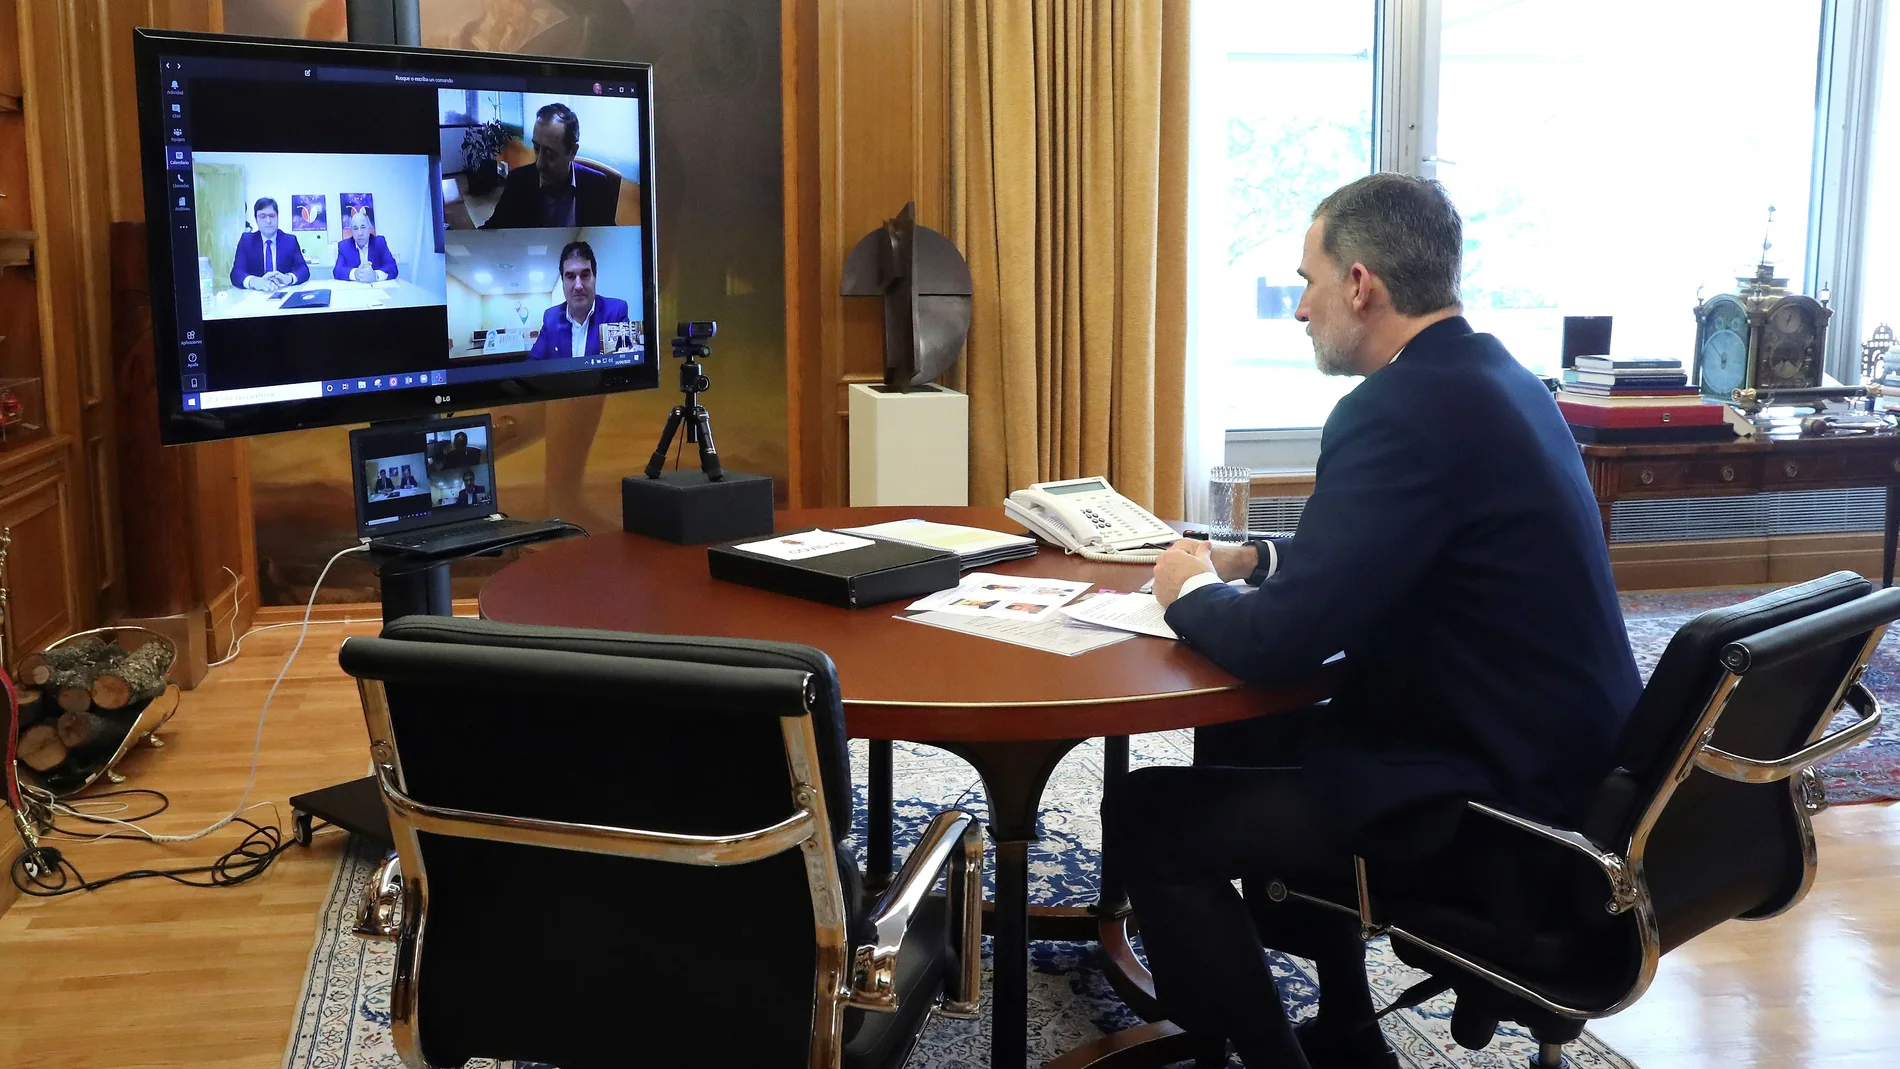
[(46, 873)]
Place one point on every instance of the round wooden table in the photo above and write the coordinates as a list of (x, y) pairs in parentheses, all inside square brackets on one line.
[(1010, 711)]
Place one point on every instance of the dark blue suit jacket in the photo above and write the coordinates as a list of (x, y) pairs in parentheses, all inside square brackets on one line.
[(556, 337), (250, 257), (1453, 549), (379, 257)]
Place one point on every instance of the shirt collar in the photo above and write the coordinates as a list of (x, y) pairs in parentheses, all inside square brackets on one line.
[(581, 322)]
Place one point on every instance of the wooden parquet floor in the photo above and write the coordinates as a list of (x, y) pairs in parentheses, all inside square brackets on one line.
[(154, 974)]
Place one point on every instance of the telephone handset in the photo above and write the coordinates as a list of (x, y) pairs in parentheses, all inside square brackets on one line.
[(1087, 516)]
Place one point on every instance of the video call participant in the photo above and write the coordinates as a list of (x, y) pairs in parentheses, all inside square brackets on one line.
[(408, 478), (470, 494), (382, 481), (268, 259), (459, 455), (573, 328), (365, 256), (556, 191), (1453, 549)]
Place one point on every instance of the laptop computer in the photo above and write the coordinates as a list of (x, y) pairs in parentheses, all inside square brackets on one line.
[(426, 488), (308, 299)]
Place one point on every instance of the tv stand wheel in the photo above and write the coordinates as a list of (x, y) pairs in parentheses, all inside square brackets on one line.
[(300, 827)]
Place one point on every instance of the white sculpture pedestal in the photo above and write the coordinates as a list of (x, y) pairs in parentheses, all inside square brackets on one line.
[(909, 448)]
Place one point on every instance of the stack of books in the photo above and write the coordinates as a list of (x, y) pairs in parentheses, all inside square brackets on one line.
[(1623, 399)]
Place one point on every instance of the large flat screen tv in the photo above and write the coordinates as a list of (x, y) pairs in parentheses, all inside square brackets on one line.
[(346, 233)]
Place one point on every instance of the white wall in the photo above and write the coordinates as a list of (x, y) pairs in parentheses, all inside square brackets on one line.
[(405, 212)]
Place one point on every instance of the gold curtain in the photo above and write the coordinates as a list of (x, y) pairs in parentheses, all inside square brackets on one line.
[(1068, 157)]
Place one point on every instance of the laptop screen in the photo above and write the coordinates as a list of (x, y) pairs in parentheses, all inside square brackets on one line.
[(422, 473)]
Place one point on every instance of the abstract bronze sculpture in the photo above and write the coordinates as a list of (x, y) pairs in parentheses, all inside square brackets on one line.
[(925, 284)]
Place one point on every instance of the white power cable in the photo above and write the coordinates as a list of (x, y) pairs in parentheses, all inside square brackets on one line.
[(257, 742)]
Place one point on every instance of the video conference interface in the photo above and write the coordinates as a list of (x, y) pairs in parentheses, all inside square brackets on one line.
[(358, 230), (444, 473)]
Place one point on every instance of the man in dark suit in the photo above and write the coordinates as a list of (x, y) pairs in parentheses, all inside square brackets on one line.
[(268, 259), (364, 257), (1453, 550), (556, 191), (572, 328)]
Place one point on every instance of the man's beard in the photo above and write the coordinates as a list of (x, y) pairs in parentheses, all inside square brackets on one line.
[(1334, 355)]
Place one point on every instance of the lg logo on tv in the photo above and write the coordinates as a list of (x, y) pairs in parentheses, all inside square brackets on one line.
[(441, 399)]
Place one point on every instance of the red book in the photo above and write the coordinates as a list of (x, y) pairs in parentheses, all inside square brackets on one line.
[(1691, 414)]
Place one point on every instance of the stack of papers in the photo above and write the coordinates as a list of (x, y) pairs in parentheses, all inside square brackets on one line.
[(1002, 597), (974, 546), (1137, 613)]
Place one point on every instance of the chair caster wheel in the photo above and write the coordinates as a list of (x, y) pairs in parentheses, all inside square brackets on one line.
[(300, 827)]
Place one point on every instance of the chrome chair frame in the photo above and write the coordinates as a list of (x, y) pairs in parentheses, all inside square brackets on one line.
[(1623, 870), (396, 904)]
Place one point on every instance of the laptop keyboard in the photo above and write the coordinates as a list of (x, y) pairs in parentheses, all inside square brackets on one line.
[(463, 537)]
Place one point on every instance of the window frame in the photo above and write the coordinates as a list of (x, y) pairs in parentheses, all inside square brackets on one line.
[(1847, 88)]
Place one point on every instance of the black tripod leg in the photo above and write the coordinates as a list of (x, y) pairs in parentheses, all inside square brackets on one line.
[(658, 464), (708, 456)]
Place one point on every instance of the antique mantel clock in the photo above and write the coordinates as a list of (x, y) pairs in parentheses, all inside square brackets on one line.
[(1761, 337)]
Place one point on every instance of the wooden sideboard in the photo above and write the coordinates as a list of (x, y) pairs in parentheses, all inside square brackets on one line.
[(1749, 466)]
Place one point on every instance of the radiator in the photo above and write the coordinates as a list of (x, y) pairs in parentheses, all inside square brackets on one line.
[(1791, 512)]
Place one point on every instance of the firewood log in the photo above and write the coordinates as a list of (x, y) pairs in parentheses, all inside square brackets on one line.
[(84, 728), (34, 671), (40, 747), (75, 699), (140, 675), (32, 709)]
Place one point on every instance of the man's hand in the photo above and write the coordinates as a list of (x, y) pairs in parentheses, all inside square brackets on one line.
[(364, 274), (1179, 562), (1234, 562)]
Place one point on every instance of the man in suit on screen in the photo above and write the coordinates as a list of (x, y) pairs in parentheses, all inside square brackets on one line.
[(556, 191), (572, 328), (268, 259), (1452, 548), (363, 256)]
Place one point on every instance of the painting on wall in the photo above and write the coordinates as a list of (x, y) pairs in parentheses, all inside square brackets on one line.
[(355, 204), (307, 211), (719, 203)]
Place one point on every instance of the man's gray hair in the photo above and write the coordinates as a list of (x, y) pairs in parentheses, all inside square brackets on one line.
[(1405, 230)]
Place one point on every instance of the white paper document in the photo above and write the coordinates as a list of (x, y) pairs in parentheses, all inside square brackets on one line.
[(963, 541), (1003, 597), (1139, 613), (1053, 635), (805, 544)]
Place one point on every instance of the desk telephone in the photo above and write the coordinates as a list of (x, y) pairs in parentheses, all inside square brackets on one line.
[(1087, 516)]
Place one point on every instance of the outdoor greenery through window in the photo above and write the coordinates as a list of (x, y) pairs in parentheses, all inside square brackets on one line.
[(1610, 158)]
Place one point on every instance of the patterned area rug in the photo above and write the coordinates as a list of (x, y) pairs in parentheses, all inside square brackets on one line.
[(1869, 772), (342, 1019)]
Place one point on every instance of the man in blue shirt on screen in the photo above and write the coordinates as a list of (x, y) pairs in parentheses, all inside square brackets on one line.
[(572, 328), (268, 259)]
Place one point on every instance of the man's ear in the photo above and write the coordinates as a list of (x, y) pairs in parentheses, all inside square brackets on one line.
[(1361, 280)]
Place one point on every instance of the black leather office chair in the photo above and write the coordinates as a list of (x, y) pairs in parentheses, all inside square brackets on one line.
[(1705, 819), (610, 845)]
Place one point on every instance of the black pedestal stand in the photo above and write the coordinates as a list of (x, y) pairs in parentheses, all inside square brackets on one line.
[(410, 588)]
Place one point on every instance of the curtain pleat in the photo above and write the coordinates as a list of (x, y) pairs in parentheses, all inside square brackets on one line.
[(1069, 197)]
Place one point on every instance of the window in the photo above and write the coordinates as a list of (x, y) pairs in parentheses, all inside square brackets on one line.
[(1292, 83), (1609, 159), (1880, 287)]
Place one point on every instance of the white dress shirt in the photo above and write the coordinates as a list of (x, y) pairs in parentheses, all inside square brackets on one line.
[(577, 332)]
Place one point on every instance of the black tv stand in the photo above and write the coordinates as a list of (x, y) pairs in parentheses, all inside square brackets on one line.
[(410, 588)]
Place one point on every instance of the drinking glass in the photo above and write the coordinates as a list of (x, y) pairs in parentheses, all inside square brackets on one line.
[(1227, 497)]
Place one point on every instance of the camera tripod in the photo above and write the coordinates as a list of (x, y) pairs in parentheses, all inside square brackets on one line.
[(693, 382)]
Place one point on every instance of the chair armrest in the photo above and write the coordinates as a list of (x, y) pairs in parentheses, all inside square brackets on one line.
[(1614, 868), (953, 835), (1749, 770), (380, 915)]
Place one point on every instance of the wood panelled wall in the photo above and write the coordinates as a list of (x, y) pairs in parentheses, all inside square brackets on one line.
[(83, 149), (866, 92)]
